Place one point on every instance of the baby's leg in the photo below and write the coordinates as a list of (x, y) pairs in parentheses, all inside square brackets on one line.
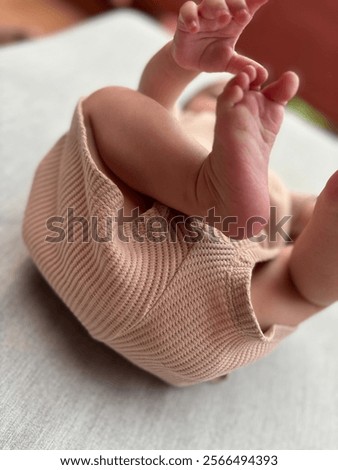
[(303, 279), (275, 298), (144, 146), (314, 261)]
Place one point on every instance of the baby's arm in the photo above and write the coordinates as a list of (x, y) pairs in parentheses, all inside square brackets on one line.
[(163, 79)]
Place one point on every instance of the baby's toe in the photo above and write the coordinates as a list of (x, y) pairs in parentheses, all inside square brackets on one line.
[(282, 90), (234, 91)]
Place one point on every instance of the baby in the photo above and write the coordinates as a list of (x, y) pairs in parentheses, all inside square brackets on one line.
[(187, 309)]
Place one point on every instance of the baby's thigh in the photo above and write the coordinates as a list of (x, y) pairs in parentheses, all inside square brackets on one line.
[(92, 112)]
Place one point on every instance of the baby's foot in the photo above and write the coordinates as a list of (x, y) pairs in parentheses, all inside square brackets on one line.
[(234, 177), (207, 33)]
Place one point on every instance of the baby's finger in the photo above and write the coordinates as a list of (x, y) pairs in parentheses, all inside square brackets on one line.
[(188, 16), (242, 80), (251, 72), (239, 11), (236, 5), (261, 75), (239, 62), (211, 9)]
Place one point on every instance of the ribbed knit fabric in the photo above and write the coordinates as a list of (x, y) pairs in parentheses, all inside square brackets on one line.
[(178, 309)]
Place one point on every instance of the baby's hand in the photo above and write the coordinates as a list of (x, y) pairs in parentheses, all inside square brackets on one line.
[(206, 35)]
